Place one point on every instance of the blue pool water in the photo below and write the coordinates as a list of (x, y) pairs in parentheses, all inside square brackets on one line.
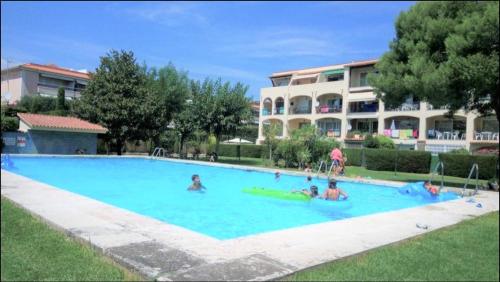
[(158, 189)]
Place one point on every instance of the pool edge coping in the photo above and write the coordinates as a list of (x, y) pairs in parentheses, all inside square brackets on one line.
[(230, 244)]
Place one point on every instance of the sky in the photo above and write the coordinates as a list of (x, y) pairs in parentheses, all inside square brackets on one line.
[(236, 41)]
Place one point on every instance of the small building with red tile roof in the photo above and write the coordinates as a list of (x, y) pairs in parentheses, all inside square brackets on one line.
[(46, 134), (45, 80)]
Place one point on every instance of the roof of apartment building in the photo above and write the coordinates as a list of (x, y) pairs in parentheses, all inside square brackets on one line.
[(324, 68), (51, 68), (60, 123)]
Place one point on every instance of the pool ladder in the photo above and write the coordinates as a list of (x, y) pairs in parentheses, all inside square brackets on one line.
[(325, 164), (159, 152), (439, 165), (474, 168)]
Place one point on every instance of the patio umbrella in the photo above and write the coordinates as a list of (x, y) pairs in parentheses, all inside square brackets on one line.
[(237, 141), (393, 125)]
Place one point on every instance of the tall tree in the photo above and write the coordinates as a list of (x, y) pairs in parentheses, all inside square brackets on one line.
[(220, 107), (184, 123), (168, 89), (61, 100), (116, 98), (445, 53)]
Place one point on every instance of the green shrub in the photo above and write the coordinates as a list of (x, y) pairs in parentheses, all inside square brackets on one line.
[(461, 151), (286, 151), (249, 151), (354, 156), (322, 148), (460, 165), (10, 123), (380, 159), (414, 161), (37, 104), (378, 142)]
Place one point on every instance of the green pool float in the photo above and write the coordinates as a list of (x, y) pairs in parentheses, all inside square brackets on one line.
[(279, 194)]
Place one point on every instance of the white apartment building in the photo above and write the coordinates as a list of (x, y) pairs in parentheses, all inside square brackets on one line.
[(45, 80), (339, 101)]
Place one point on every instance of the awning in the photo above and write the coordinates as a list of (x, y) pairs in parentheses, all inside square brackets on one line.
[(359, 97), (305, 76), (337, 71)]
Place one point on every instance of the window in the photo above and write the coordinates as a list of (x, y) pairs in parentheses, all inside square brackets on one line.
[(363, 81), (335, 77)]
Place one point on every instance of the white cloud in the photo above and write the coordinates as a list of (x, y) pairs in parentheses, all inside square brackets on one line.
[(171, 13), (282, 43)]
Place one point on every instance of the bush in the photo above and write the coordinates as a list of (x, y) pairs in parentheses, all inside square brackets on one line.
[(460, 151), (380, 159), (248, 151), (322, 148), (378, 142), (354, 156), (37, 104), (10, 123), (414, 161), (460, 165), (286, 151)]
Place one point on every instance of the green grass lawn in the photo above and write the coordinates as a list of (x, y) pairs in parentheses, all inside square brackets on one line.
[(354, 171), (32, 251), (467, 251)]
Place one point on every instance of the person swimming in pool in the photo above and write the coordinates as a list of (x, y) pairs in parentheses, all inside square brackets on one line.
[(196, 185), (433, 190), (333, 192), (277, 176), (312, 192)]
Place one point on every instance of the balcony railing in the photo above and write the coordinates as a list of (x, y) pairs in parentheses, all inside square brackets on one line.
[(325, 109), (266, 112), (52, 90), (279, 111), (445, 134), (300, 110), (405, 107), (366, 108), (431, 107)]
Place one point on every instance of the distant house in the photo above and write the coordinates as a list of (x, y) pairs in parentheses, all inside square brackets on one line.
[(44, 80), (44, 134)]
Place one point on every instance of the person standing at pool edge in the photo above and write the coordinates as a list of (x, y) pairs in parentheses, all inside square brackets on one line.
[(333, 193), (337, 159), (196, 185)]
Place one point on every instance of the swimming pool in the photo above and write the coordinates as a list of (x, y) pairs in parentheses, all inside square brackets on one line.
[(157, 188)]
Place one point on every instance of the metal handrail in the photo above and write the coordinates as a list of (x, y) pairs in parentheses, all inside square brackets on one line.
[(439, 165), (320, 167), (330, 170), (475, 168), (158, 151)]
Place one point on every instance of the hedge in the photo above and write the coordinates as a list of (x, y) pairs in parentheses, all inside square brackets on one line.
[(354, 156), (460, 165), (414, 161), (249, 151), (380, 159)]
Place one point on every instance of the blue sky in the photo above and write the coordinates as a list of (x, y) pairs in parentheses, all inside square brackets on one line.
[(237, 41)]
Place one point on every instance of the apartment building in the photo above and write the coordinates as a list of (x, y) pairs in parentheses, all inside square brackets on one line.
[(45, 80), (342, 105)]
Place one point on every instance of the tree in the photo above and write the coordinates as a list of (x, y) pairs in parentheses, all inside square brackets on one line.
[(168, 89), (445, 53), (185, 124), (270, 133), (220, 108), (116, 98), (61, 100)]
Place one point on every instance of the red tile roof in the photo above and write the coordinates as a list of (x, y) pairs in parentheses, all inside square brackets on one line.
[(56, 70), (59, 123)]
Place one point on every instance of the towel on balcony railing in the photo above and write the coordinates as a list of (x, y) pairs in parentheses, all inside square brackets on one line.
[(387, 132), (405, 133), (395, 133), (324, 109)]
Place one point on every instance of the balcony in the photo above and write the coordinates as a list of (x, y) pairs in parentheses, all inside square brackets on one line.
[(52, 90), (431, 107), (325, 109), (415, 106), (300, 110)]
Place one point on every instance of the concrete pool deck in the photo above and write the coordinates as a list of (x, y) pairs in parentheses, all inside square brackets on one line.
[(162, 251)]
